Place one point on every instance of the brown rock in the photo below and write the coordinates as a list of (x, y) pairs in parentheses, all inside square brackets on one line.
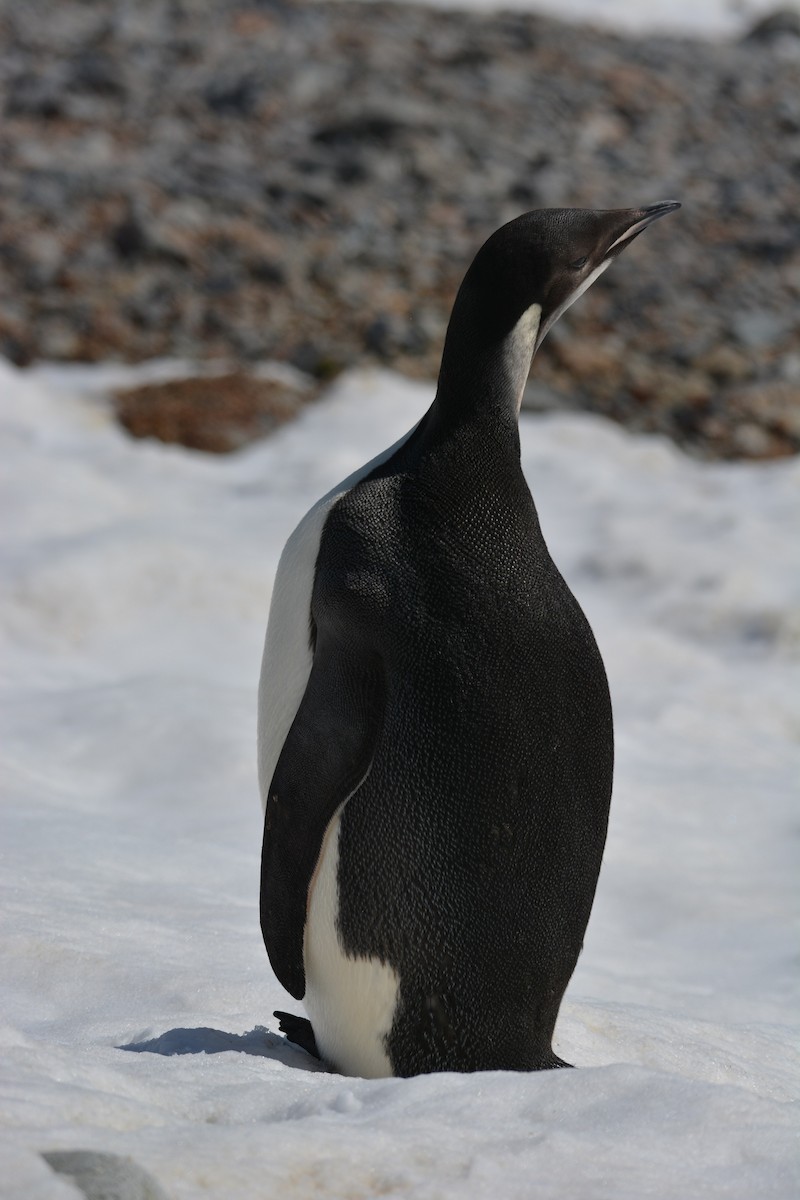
[(725, 362), (772, 404), (588, 358), (217, 413)]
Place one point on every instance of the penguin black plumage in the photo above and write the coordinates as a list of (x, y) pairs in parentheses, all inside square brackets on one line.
[(435, 731)]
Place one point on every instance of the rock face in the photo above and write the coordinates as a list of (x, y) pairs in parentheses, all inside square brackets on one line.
[(308, 182)]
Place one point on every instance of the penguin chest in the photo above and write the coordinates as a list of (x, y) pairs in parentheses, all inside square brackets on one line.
[(351, 1002)]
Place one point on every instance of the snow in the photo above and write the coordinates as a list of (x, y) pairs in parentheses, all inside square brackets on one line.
[(136, 581), (684, 18)]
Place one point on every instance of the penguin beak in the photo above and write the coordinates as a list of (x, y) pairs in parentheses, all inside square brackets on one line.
[(641, 218), (623, 225)]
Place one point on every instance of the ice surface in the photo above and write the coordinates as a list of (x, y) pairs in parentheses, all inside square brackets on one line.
[(689, 18), (135, 588)]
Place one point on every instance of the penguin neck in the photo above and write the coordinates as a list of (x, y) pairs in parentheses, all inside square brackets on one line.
[(484, 369)]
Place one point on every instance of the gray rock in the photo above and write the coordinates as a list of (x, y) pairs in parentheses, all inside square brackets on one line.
[(36, 95), (784, 22), (104, 1176), (756, 328), (309, 180)]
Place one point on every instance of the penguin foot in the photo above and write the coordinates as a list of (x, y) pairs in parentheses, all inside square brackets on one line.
[(299, 1031), (556, 1062)]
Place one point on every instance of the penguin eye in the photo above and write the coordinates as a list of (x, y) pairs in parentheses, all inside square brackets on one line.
[(579, 262)]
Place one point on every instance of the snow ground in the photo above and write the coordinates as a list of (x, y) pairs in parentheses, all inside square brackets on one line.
[(135, 588), (684, 18)]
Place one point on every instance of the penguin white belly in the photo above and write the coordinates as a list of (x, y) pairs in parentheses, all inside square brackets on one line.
[(350, 1001)]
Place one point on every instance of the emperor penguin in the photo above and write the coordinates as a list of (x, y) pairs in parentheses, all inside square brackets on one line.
[(435, 733)]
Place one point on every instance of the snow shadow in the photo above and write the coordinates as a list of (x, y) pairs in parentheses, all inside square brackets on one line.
[(258, 1041)]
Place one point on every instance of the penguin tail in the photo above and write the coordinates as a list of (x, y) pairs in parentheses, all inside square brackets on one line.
[(299, 1031)]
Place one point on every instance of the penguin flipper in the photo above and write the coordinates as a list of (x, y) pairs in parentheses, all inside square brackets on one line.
[(299, 1032), (326, 756)]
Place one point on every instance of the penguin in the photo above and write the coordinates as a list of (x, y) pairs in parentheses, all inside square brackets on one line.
[(435, 731)]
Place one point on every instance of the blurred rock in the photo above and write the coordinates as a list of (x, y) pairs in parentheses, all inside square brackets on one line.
[(217, 413), (308, 181), (784, 22), (759, 328)]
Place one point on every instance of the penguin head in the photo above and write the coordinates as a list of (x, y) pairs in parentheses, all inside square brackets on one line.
[(541, 262)]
